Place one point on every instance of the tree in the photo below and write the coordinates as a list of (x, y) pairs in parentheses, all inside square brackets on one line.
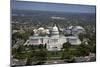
[(66, 46), (45, 46), (29, 61), (92, 48), (30, 57), (40, 56), (68, 56), (36, 56), (81, 36), (41, 46), (83, 49), (20, 49)]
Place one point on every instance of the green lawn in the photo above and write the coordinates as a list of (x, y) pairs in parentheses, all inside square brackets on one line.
[(54, 55)]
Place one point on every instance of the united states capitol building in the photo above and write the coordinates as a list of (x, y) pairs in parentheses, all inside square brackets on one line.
[(54, 42)]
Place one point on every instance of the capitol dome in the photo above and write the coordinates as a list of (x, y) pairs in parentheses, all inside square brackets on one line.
[(55, 30)]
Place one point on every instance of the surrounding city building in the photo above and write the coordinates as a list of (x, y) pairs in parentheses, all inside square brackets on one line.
[(74, 30)]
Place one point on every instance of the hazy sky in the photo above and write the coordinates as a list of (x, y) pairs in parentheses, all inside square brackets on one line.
[(24, 5)]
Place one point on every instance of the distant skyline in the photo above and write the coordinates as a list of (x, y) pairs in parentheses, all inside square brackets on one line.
[(24, 5)]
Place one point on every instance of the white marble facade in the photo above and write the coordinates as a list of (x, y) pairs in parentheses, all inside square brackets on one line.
[(54, 42)]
